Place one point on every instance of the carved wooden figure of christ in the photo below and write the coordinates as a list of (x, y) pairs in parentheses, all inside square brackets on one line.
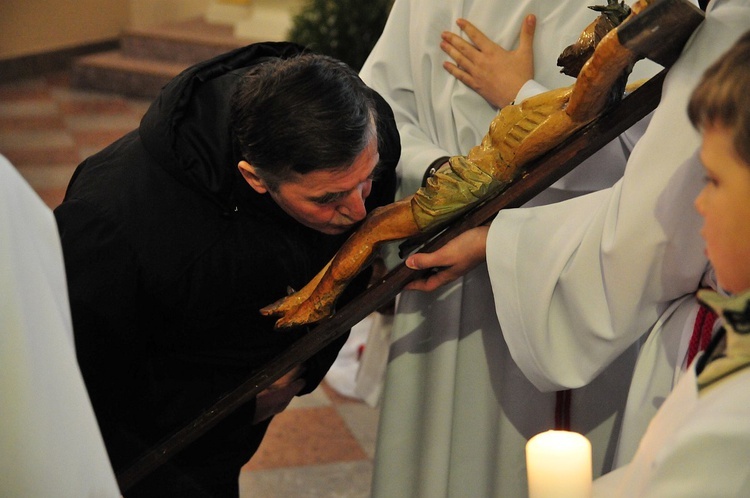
[(517, 135)]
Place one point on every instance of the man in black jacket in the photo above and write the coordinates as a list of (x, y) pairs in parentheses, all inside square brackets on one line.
[(244, 177)]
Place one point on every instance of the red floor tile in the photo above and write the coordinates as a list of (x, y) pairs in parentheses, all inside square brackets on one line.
[(51, 197), (95, 106), (306, 436), (43, 156), (19, 91), (97, 138), (22, 123)]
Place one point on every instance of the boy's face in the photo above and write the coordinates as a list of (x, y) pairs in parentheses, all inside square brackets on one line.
[(329, 201), (724, 204)]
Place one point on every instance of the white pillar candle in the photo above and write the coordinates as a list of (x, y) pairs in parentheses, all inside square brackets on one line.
[(558, 465)]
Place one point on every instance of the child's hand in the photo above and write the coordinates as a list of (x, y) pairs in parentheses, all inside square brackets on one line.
[(484, 66)]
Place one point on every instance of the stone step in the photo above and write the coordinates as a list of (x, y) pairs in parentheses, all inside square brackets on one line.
[(114, 72), (187, 42), (149, 57)]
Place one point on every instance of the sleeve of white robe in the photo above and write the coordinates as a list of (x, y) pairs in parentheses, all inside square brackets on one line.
[(388, 71), (578, 282), (50, 443)]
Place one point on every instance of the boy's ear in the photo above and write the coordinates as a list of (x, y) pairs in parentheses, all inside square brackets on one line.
[(252, 177)]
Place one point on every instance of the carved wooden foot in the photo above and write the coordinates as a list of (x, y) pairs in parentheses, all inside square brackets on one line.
[(317, 299)]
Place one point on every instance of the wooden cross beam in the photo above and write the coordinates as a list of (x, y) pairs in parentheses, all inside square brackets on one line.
[(673, 21)]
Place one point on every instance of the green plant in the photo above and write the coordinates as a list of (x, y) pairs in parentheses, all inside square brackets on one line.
[(344, 29)]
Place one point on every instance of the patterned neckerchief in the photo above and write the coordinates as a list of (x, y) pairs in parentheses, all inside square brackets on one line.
[(729, 350)]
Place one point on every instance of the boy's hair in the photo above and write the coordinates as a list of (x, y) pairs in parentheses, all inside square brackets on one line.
[(723, 96), (301, 114)]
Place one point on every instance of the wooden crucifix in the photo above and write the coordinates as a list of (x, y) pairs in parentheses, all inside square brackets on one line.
[(659, 33)]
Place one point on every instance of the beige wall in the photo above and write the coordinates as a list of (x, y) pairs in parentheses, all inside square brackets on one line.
[(30, 27), (33, 26)]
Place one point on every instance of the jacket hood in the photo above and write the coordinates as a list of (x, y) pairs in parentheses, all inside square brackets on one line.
[(187, 130)]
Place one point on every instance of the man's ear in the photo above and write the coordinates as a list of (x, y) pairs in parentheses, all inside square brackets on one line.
[(252, 177)]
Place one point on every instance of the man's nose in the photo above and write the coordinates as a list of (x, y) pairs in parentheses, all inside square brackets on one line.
[(353, 205)]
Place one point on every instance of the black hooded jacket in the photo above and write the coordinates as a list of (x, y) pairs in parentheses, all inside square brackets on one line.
[(170, 255)]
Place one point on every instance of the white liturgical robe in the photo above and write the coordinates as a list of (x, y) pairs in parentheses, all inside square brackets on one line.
[(456, 410), (698, 443), (50, 444), (578, 284)]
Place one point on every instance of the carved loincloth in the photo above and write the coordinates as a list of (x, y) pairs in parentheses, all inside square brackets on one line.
[(518, 134)]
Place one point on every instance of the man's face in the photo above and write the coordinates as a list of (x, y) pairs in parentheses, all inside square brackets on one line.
[(329, 201), (724, 204)]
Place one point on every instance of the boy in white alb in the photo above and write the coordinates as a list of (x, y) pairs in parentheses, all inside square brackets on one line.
[(698, 444)]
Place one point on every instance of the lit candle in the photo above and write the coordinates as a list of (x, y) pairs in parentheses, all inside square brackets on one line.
[(558, 464)]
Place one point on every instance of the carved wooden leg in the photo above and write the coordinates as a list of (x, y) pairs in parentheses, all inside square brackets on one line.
[(315, 301)]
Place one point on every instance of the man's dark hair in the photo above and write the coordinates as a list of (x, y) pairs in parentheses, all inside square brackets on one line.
[(301, 114)]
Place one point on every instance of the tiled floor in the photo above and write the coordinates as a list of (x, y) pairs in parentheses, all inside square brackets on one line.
[(46, 129), (322, 445)]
